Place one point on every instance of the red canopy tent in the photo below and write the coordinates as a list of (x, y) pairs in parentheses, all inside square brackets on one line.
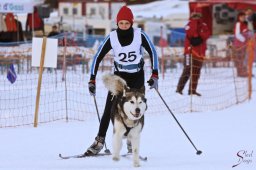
[(206, 6)]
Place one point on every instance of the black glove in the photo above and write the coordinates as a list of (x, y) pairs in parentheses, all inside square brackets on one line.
[(153, 81), (196, 41), (92, 87)]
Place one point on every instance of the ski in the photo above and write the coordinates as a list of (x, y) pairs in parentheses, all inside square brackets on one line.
[(83, 155), (99, 154)]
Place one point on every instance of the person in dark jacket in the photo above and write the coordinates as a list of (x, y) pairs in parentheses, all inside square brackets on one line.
[(197, 33), (126, 43), (250, 17), (54, 31)]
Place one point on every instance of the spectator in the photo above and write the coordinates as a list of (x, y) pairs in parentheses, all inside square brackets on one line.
[(35, 23), (54, 31), (250, 17), (12, 29), (241, 32), (197, 33)]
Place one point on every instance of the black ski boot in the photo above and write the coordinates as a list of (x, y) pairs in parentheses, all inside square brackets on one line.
[(96, 147)]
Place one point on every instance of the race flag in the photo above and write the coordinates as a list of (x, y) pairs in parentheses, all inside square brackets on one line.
[(11, 75)]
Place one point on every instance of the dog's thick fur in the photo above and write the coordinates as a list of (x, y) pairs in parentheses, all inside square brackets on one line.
[(127, 115)]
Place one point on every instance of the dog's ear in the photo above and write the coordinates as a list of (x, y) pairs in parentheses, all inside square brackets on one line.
[(124, 95), (142, 90), (125, 90)]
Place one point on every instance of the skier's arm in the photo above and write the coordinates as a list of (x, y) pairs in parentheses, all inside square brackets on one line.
[(103, 49), (148, 45)]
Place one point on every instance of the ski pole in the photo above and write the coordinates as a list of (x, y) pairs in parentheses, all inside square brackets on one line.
[(198, 152), (96, 106)]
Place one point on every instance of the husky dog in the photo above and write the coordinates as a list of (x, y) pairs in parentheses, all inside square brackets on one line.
[(127, 115)]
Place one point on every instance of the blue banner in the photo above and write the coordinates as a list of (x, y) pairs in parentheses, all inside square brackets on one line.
[(11, 74)]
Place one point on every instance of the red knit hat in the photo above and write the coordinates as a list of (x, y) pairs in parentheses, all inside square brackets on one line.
[(125, 13)]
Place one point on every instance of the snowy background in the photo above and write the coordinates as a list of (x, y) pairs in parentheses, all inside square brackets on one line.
[(220, 135)]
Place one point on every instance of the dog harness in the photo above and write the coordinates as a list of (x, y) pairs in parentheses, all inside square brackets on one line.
[(128, 129), (128, 58)]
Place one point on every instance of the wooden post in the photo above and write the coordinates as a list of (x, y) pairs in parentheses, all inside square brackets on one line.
[(250, 53), (233, 50), (191, 77), (40, 81), (162, 52), (64, 64), (64, 75)]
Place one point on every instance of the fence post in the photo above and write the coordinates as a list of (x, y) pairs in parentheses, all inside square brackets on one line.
[(64, 64), (40, 81), (233, 70), (64, 74), (162, 51), (250, 53), (191, 80)]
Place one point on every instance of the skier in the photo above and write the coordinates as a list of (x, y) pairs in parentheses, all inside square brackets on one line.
[(126, 43)]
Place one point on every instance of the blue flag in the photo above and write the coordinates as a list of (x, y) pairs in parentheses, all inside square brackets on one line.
[(11, 74)]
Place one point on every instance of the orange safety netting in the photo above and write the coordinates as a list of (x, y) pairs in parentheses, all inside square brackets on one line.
[(64, 91)]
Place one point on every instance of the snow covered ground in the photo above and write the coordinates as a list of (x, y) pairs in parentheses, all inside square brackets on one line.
[(226, 138)]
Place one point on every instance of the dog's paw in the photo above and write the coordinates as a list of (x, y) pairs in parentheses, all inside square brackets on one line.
[(116, 158)]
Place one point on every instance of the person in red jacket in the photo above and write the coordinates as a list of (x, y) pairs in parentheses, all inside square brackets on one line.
[(241, 32), (197, 33), (35, 23)]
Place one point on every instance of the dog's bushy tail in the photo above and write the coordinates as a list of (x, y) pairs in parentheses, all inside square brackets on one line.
[(114, 84)]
